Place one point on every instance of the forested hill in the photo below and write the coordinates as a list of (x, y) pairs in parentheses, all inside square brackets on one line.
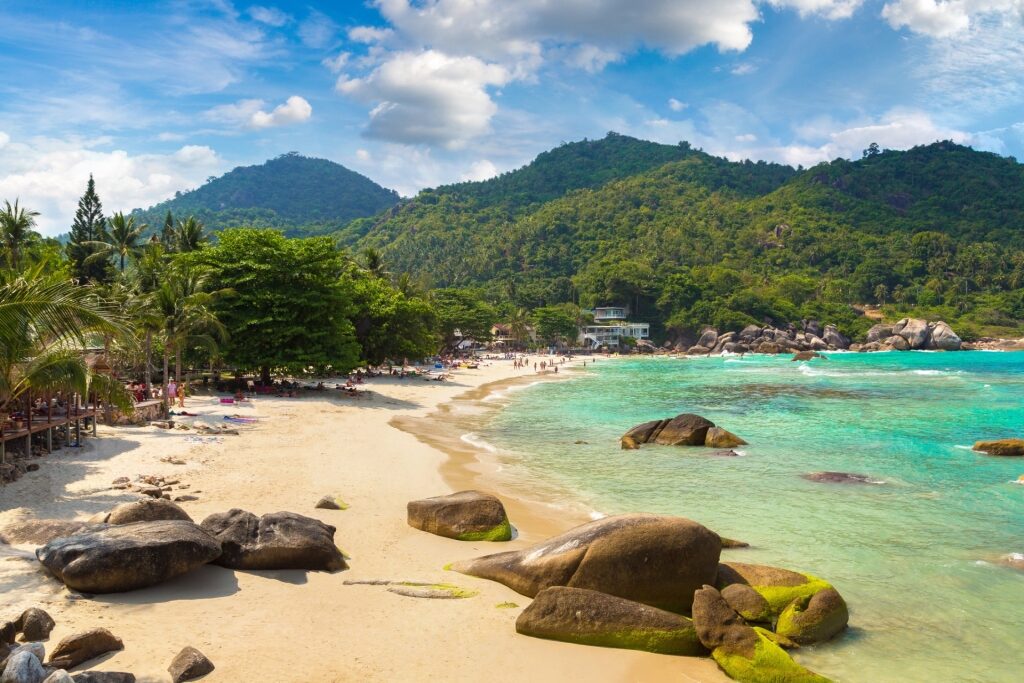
[(297, 194), (937, 230)]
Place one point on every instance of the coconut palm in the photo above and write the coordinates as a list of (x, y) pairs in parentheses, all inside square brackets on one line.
[(123, 240), (190, 236), (16, 223), (44, 326), (519, 326)]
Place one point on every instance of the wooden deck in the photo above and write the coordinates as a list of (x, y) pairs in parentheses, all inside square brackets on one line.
[(43, 424)]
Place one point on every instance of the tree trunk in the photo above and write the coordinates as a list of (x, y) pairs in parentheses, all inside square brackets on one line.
[(167, 369), (177, 373), (149, 364), (265, 375)]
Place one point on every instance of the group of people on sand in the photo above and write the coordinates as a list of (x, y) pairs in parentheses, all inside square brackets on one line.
[(175, 392)]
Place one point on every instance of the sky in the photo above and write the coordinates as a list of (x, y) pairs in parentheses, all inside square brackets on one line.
[(156, 97)]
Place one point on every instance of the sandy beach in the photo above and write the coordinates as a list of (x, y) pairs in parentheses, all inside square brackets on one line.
[(376, 454)]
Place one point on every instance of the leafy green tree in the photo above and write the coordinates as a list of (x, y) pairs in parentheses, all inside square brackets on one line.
[(290, 309), (168, 233), (881, 291), (389, 325), (89, 228), (16, 232), (123, 241), (189, 235), (556, 324), (462, 313)]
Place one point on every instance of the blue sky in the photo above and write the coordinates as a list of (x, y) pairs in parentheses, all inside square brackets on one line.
[(154, 97)]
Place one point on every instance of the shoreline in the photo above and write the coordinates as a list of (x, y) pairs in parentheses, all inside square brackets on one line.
[(299, 450)]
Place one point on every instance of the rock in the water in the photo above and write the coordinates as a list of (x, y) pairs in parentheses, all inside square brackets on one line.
[(641, 434), (82, 647), (914, 330), (1013, 560), (464, 516), (834, 338), (126, 557), (806, 355), (814, 619), (1001, 447), (35, 624), (745, 653), (778, 586), (684, 430), (720, 438), (188, 665), (280, 540), (840, 478), (657, 560), (145, 510), (23, 667), (587, 617), (896, 343), (943, 338), (40, 531), (747, 602), (733, 543), (331, 503), (769, 347)]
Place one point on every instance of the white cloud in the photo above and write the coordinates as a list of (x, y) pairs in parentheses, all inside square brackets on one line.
[(49, 175), (250, 113), (4, 139), (337, 63), (428, 97), (271, 16), (676, 105), (480, 170), (831, 9), (363, 155), (743, 69), (945, 18), (317, 30), (746, 137)]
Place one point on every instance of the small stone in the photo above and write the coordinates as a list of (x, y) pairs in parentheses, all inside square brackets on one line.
[(185, 499), (331, 503), (36, 624), (188, 665), (82, 647)]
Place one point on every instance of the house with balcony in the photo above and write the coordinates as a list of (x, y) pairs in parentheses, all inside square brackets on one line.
[(610, 327)]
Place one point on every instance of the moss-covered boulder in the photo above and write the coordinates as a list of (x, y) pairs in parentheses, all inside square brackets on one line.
[(653, 559), (745, 653), (587, 617), (815, 618), (721, 438), (778, 586), (1001, 447), (464, 516), (747, 602)]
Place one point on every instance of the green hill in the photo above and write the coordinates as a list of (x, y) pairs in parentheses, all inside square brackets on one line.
[(688, 239), (297, 194)]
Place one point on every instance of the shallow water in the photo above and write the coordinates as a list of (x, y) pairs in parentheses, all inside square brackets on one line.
[(913, 556)]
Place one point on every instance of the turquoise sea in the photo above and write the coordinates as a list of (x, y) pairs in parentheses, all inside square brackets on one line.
[(914, 557)]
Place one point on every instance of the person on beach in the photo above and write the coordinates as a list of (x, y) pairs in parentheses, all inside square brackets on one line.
[(181, 394), (172, 391)]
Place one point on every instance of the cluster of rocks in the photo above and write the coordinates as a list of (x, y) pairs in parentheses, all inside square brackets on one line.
[(656, 583), (809, 336), (154, 486), (686, 429), (910, 334), (464, 516)]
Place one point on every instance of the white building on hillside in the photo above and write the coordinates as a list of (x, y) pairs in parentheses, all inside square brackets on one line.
[(611, 327)]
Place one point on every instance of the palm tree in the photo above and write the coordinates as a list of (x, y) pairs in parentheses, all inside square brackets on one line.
[(881, 291), (123, 240), (185, 314), (374, 262), (519, 326), (44, 326), (190, 235), (16, 231)]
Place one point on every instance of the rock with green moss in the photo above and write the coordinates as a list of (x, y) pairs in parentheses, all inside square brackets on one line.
[(814, 619), (747, 602), (331, 503), (778, 586), (586, 617), (654, 559), (746, 654), (464, 516)]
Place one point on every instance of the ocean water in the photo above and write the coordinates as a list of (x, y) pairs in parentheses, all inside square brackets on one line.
[(914, 556)]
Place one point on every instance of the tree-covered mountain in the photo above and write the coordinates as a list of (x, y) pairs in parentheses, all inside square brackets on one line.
[(294, 193), (687, 239)]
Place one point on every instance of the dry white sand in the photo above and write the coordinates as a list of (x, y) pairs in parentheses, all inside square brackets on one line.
[(296, 626)]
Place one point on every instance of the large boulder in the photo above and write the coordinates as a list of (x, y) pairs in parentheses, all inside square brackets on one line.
[(684, 430), (576, 615), (943, 338), (720, 438), (40, 531), (815, 618), (812, 327), (1001, 447), (879, 332), (641, 434), (914, 330), (657, 560), (35, 624), (188, 665), (778, 586), (82, 647), (145, 510), (834, 338), (747, 602), (104, 677), (750, 332), (464, 516), (709, 338), (769, 347), (281, 540), (895, 343), (23, 667), (745, 653), (126, 557)]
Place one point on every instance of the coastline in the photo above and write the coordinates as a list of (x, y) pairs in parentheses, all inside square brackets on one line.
[(298, 451)]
